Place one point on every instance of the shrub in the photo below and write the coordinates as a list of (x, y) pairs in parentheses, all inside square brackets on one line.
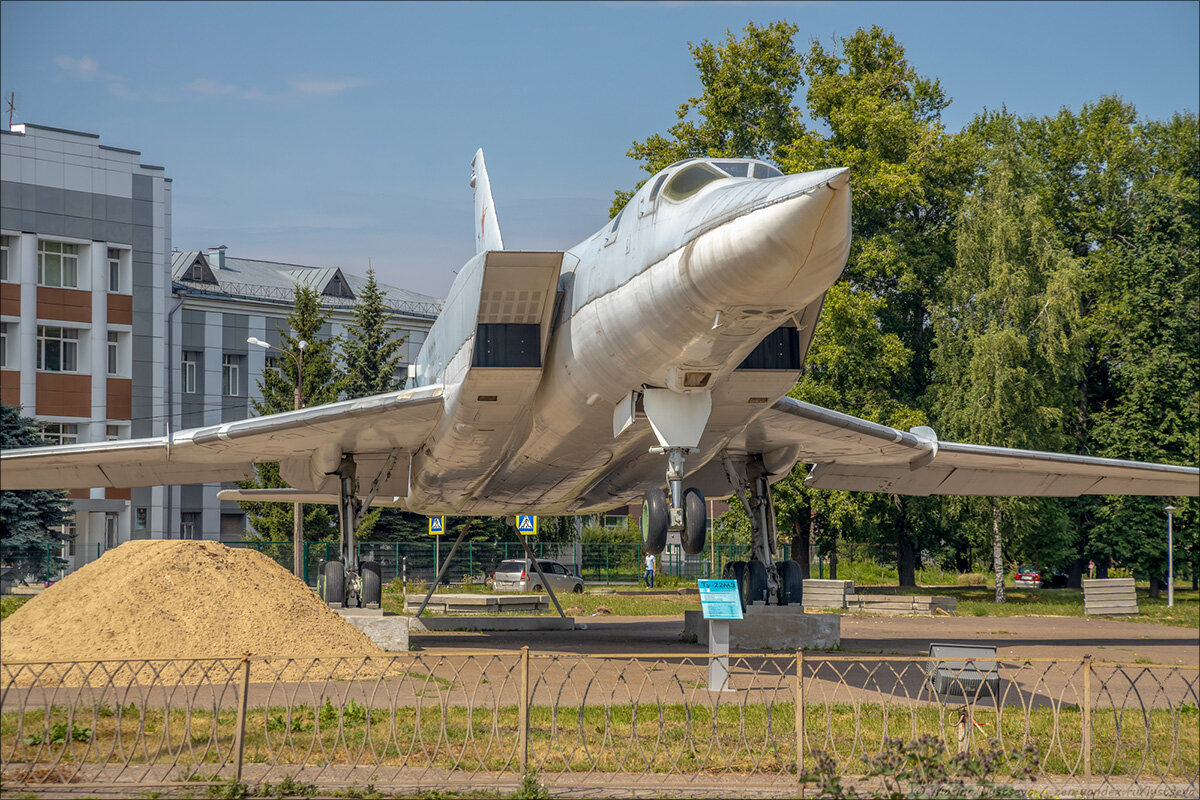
[(972, 579)]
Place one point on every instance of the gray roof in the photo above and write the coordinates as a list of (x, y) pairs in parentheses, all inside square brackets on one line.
[(277, 281)]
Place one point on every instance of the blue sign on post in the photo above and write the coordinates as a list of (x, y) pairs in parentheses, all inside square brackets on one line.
[(437, 526), (719, 599), (527, 524)]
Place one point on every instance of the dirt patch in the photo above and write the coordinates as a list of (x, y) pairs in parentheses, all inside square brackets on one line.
[(158, 599)]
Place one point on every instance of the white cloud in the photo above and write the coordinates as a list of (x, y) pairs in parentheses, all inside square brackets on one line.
[(326, 87), (84, 68)]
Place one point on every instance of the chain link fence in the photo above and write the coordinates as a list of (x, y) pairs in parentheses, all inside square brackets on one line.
[(600, 723)]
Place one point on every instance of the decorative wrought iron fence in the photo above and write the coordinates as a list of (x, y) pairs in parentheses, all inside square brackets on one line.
[(482, 720)]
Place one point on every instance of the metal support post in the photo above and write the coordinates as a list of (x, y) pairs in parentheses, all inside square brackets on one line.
[(1086, 705), (537, 567), (523, 711), (799, 686), (445, 566), (239, 735), (718, 655)]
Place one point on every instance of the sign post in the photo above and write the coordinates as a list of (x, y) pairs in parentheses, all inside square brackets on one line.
[(720, 602), (437, 526)]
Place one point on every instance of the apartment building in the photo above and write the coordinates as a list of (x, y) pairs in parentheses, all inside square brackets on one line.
[(106, 332), (85, 233)]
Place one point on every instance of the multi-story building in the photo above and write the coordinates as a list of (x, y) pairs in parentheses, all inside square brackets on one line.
[(222, 301), (83, 285), (107, 333)]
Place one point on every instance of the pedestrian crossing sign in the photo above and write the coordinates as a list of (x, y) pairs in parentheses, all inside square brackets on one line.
[(437, 526), (527, 524)]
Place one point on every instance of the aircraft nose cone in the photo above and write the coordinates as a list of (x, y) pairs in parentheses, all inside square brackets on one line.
[(780, 242)]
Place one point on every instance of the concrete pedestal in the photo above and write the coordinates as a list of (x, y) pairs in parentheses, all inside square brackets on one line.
[(389, 631), (772, 628)]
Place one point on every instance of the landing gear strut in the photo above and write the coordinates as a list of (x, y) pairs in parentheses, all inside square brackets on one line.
[(678, 420), (763, 578), (348, 582)]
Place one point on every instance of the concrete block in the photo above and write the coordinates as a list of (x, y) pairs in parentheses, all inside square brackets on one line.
[(389, 631), (498, 623), (772, 628), (1109, 596)]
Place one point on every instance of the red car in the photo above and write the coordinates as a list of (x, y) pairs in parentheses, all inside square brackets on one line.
[(1028, 576)]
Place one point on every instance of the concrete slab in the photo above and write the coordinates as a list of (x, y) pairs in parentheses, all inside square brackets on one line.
[(451, 603), (771, 628), (499, 623)]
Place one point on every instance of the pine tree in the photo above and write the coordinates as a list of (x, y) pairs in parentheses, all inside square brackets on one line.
[(372, 355), (31, 520), (322, 381)]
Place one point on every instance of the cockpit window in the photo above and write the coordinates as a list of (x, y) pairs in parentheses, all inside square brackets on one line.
[(766, 171), (738, 169), (657, 185), (691, 179)]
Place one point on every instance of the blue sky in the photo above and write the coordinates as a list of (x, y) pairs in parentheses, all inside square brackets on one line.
[(340, 133)]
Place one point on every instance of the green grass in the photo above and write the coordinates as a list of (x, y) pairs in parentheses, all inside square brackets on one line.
[(645, 737), (10, 604)]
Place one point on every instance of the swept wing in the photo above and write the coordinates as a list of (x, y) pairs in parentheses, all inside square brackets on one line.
[(856, 455), (308, 444)]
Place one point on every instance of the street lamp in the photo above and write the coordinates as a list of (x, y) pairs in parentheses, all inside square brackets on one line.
[(1170, 559), (297, 404)]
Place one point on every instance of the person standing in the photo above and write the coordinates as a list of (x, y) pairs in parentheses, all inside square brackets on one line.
[(649, 576)]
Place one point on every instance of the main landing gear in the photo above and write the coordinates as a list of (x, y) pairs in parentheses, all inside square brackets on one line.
[(348, 582), (761, 579)]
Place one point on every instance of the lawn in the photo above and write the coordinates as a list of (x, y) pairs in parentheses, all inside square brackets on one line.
[(10, 604)]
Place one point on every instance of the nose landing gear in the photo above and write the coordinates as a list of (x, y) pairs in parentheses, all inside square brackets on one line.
[(657, 518), (678, 420)]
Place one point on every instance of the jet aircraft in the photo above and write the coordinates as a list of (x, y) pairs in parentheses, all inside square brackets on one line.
[(655, 354)]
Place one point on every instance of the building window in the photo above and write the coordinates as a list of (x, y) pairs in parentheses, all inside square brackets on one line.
[(5, 244), (188, 379), (58, 264), (3, 345), (69, 530), (229, 375), (60, 432), (113, 352), (110, 531), (114, 270), (57, 349), (114, 432), (140, 518), (187, 525), (272, 363)]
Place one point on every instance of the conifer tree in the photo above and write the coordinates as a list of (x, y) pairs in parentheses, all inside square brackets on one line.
[(322, 380), (31, 520), (372, 354)]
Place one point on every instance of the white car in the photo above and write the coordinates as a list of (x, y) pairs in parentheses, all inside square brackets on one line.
[(519, 575)]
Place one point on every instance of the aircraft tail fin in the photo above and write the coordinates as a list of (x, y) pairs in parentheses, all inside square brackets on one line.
[(487, 227)]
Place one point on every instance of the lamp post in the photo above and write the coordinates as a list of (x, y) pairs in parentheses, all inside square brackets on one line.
[(297, 404), (1170, 559)]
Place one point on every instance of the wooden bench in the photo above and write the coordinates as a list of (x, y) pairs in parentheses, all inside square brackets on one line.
[(1109, 596), (900, 604)]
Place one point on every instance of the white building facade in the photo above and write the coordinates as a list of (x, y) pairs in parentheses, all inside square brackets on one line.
[(86, 233)]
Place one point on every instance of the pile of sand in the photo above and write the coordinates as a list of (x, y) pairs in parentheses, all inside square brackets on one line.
[(178, 599)]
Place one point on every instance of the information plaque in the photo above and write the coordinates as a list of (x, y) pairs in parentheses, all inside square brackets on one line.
[(719, 599)]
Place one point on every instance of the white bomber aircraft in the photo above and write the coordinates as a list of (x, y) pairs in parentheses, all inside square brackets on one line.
[(657, 352)]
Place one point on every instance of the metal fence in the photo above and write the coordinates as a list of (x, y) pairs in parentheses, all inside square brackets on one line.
[(481, 720), (595, 562)]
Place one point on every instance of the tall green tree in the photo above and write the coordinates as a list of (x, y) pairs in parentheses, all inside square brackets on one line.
[(1147, 302), (31, 521), (1008, 338), (322, 380), (371, 354)]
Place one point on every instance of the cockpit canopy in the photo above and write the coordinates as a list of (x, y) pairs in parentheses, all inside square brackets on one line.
[(683, 179)]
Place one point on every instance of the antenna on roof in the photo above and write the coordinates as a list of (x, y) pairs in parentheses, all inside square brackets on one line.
[(12, 106)]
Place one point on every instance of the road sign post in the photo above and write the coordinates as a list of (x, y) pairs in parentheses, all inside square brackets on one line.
[(719, 602)]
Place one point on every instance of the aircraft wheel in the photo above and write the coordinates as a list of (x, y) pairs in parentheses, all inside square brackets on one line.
[(372, 583), (695, 522), (335, 582), (756, 582), (793, 582), (736, 571), (654, 521)]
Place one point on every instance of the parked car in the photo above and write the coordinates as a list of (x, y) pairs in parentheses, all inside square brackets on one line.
[(1028, 576), (519, 575)]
